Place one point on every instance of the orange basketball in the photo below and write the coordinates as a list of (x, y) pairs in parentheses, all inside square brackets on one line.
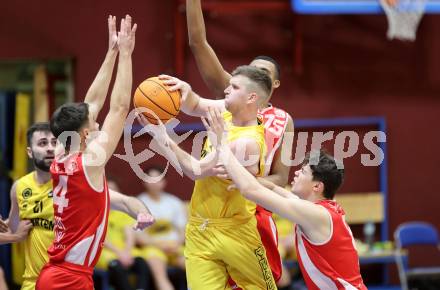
[(153, 95)]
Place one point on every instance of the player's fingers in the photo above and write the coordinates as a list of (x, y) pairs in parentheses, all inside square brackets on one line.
[(165, 77), (169, 81), (209, 115), (122, 28), (127, 24), (133, 30), (205, 123)]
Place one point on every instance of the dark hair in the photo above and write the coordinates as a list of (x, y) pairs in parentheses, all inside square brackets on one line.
[(325, 169), (256, 75), (69, 117), (149, 168), (275, 63), (37, 127)]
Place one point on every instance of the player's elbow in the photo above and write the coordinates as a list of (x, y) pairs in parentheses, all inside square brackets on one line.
[(120, 108), (197, 44)]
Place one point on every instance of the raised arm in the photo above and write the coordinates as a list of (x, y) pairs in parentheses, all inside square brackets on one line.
[(312, 218), (97, 92), (179, 158), (102, 147), (212, 71), (275, 188), (191, 103)]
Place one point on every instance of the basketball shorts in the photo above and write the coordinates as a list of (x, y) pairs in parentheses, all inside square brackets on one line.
[(216, 249), (53, 277), (269, 236)]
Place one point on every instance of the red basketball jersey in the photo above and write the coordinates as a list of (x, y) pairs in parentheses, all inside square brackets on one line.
[(81, 214), (275, 123), (333, 264)]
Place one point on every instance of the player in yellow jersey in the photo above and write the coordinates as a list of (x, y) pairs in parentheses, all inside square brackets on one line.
[(222, 236), (31, 199)]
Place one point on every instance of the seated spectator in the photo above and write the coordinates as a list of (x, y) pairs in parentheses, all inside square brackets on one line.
[(119, 256), (163, 242)]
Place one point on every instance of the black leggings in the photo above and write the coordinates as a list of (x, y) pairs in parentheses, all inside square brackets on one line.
[(119, 275)]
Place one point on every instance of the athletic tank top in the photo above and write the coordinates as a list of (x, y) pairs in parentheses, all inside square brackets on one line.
[(81, 214), (35, 204), (333, 264), (210, 198)]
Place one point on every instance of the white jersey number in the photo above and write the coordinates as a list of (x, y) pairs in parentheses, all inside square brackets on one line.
[(59, 194)]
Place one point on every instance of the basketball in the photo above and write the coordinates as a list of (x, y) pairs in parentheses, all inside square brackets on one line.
[(153, 95)]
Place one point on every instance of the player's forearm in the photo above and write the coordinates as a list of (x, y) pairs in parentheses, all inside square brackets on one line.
[(241, 177), (275, 188), (7, 238), (97, 92), (277, 178), (121, 94), (190, 166), (190, 104), (133, 206), (195, 22)]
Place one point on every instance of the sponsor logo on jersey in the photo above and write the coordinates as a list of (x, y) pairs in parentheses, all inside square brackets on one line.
[(44, 223), (27, 193)]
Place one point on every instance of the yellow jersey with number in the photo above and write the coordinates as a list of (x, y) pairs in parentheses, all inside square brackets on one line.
[(35, 204), (211, 199)]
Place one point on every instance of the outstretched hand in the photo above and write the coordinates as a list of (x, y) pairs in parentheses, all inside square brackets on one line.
[(158, 132), (126, 36), (143, 221)]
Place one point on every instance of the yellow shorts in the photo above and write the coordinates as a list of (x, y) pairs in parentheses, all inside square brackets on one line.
[(28, 284), (225, 247)]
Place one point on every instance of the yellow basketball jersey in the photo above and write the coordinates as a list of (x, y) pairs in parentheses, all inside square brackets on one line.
[(35, 204), (210, 198), (117, 222)]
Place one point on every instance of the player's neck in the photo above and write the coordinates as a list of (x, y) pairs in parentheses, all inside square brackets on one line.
[(316, 197), (41, 177), (265, 105), (245, 118)]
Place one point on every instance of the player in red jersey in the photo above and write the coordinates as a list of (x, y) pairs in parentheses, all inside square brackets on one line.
[(277, 122), (324, 242), (81, 197)]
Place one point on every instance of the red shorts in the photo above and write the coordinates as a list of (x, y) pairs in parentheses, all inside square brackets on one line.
[(269, 236), (53, 277)]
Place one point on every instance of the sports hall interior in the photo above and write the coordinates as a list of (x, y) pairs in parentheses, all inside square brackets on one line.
[(333, 67)]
